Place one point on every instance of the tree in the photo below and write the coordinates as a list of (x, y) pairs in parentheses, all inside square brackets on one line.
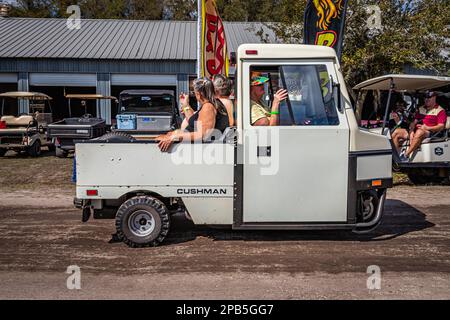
[(32, 8), (414, 33), (180, 9), (146, 9)]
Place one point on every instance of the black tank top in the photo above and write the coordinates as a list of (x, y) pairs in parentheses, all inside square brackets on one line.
[(222, 121)]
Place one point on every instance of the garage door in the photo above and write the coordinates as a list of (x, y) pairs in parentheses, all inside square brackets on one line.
[(8, 78), (143, 80), (63, 79)]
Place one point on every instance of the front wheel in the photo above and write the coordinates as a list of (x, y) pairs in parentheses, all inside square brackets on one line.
[(60, 153), (142, 221)]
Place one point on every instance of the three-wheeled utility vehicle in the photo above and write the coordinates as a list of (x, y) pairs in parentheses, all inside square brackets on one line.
[(430, 163), (315, 170), (65, 132), (145, 114), (26, 131)]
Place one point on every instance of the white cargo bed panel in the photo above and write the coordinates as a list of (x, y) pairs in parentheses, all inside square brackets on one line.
[(135, 164)]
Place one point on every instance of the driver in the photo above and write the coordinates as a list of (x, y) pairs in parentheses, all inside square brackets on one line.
[(260, 115), (429, 120)]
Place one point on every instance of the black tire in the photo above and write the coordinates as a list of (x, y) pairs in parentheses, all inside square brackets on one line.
[(117, 137), (424, 176), (3, 152), (35, 149), (367, 205), (142, 221), (60, 153)]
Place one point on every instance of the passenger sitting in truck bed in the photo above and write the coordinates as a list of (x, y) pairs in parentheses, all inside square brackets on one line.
[(430, 119), (222, 87), (260, 114), (211, 115)]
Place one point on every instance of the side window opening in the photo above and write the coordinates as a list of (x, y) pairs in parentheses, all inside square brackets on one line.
[(310, 95)]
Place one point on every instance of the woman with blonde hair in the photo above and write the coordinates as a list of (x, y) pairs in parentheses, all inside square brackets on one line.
[(211, 114)]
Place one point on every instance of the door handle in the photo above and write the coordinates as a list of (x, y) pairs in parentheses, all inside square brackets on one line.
[(264, 151)]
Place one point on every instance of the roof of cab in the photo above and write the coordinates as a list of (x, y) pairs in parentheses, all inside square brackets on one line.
[(89, 96), (404, 82), (286, 51), (25, 95)]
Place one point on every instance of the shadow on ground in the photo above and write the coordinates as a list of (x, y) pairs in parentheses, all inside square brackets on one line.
[(399, 219)]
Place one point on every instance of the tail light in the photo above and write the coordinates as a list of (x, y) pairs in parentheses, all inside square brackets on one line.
[(2, 124), (91, 193)]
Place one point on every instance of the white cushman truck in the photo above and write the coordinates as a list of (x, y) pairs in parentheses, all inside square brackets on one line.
[(315, 170)]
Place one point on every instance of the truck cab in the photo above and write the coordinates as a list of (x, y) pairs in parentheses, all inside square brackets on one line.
[(313, 170)]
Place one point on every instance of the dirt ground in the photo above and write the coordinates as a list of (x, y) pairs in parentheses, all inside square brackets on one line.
[(41, 234)]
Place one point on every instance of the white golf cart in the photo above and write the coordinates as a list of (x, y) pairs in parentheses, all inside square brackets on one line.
[(27, 131), (431, 163), (314, 171)]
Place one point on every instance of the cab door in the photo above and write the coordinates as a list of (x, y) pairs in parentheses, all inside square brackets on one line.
[(296, 172)]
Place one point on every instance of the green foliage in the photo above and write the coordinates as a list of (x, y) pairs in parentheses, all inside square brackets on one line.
[(414, 32)]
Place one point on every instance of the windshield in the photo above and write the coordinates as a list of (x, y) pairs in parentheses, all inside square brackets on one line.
[(146, 103)]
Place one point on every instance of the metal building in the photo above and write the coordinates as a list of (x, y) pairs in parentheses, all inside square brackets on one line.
[(104, 56)]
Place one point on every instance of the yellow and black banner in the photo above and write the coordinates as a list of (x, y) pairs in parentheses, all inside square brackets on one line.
[(325, 22), (213, 44)]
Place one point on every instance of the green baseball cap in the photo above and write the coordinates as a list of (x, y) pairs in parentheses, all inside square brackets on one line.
[(259, 80)]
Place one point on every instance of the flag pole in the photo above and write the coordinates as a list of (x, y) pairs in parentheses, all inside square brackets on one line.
[(199, 37)]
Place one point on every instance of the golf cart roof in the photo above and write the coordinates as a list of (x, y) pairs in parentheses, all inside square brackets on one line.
[(89, 97), (25, 95), (404, 82), (146, 92)]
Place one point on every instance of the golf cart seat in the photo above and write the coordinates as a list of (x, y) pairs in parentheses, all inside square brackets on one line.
[(17, 125), (440, 136)]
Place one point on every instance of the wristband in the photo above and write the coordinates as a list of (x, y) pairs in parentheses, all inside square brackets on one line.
[(275, 112)]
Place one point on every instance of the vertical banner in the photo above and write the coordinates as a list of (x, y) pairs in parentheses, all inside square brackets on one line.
[(325, 22), (213, 45)]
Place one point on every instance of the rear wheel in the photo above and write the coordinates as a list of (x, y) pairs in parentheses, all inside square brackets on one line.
[(35, 149), (3, 152), (142, 221), (60, 153)]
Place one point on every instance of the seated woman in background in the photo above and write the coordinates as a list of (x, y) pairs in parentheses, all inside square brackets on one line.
[(212, 114), (222, 87)]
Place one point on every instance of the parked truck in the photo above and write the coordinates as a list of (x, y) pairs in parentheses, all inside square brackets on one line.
[(69, 130), (147, 113), (316, 170)]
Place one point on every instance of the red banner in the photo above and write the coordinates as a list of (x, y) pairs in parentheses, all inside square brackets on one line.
[(214, 54)]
